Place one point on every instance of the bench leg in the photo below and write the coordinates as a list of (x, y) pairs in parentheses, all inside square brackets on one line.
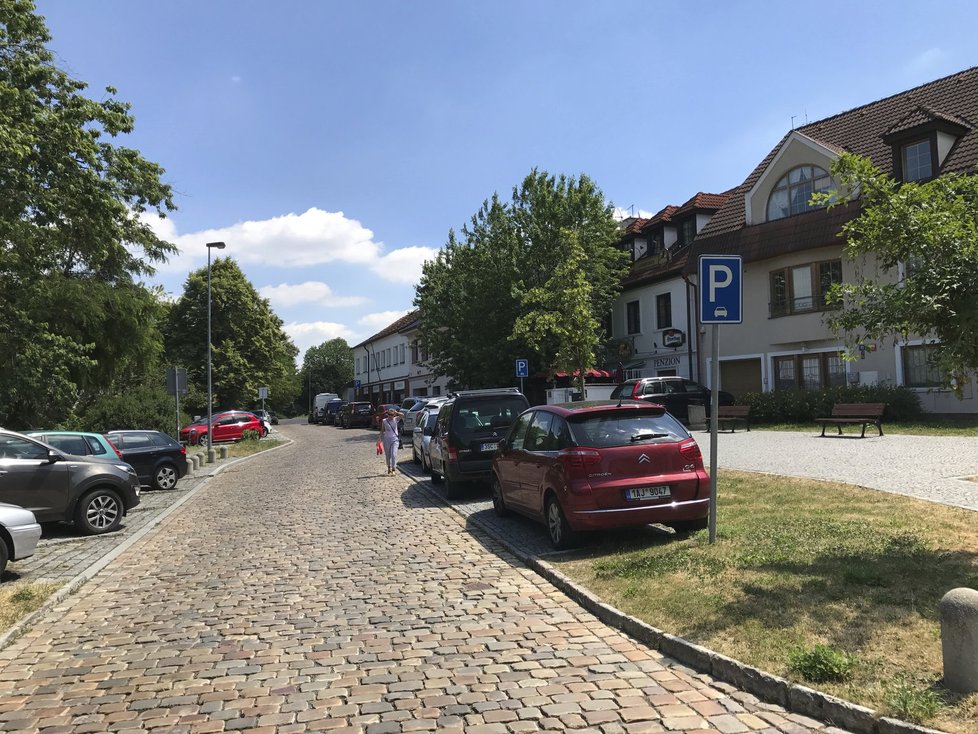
[(863, 434), (823, 430), (879, 427), (839, 428)]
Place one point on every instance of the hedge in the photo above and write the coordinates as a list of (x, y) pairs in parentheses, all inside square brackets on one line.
[(801, 406)]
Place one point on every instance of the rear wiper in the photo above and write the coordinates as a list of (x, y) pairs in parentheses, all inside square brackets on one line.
[(647, 436)]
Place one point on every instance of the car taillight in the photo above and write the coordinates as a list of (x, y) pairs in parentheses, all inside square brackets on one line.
[(183, 450), (452, 453), (690, 451), (579, 458), (637, 390), (117, 452)]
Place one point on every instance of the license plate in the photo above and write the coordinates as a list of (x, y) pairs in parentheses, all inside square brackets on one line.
[(489, 447), (648, 493)]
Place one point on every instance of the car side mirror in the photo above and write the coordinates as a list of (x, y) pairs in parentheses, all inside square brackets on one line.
[(503, 446), (53, 457)]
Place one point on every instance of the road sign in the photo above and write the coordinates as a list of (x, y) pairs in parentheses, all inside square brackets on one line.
[(356, 384), (721, 283), (176, 381), (263, 393), (522, 368)]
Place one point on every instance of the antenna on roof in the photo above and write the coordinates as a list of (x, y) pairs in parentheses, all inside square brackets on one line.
[(793, 121)]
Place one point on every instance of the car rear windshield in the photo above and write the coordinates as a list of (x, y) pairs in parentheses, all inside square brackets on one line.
[(625, 389), (625, 428), (487, 415)]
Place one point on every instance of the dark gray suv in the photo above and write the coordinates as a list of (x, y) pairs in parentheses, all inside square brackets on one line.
[(92, 493), (467, 432)]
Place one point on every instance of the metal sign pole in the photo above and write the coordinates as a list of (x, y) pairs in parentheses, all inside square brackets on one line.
[(714, 424), (177, 396)]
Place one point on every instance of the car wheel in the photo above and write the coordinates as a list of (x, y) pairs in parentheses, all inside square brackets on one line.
[(99, 512), (264, 432), (561, 535), (498, 502), (202, 439), (690, 526), (414, 456), (166, 477), (3, 555)]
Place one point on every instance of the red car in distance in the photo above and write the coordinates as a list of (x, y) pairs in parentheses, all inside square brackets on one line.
[(600, 465), (228, 425)]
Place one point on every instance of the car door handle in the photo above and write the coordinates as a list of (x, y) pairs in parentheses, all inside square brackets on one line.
[(2, 472)]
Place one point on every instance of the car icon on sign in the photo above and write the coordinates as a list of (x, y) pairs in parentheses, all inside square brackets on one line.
[(720, 312)]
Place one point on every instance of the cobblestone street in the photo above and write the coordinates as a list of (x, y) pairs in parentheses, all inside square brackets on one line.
[(306, 590)]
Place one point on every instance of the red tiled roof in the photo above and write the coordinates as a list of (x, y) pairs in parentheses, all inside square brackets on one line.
[(861, 130)]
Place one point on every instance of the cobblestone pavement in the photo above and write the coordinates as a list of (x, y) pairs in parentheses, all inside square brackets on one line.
[(306, 590)]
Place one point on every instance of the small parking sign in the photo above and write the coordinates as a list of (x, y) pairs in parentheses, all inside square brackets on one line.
[(721, 289), (522, 368)]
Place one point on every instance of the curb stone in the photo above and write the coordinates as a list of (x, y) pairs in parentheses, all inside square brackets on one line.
[(71, 586), (774, 689)]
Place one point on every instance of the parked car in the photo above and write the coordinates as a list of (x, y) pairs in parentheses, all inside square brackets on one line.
[(600, 465), (355, 414), (410, 403), (421, 435), (91, 492), (266, 420), (78, 443), (159, 461), (319, 406), (19, 533), (331, 410), (228, 425), (273, 418), (467, 432), (675, 393), (411, 416)]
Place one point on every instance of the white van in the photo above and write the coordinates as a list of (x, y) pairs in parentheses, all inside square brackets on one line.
[(319, 406)]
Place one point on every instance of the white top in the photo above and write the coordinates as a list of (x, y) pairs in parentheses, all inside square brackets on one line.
[(389, 427)]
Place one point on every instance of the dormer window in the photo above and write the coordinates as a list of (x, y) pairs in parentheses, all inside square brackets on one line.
[(793, 192), (918, 161)]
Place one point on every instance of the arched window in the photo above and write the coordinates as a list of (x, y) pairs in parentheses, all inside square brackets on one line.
[(792, 194)]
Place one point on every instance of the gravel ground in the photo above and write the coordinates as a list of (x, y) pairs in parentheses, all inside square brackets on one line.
[(932, 468)]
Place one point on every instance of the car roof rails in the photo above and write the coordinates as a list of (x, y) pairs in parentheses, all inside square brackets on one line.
[(486, 391)]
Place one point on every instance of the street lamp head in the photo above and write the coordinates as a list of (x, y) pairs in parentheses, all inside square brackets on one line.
[(217, 245)]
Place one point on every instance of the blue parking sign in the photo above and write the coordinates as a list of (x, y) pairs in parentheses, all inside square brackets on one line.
[(522, 368), (721, 281)]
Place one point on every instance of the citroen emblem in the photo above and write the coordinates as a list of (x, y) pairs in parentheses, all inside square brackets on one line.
[(644, 459)]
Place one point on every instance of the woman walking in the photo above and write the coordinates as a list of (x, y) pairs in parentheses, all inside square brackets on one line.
[(389, 435)]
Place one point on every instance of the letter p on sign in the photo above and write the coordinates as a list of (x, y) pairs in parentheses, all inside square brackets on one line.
[(721, 289)]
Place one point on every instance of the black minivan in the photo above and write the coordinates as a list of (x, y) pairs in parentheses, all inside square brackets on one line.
[(467, 433)]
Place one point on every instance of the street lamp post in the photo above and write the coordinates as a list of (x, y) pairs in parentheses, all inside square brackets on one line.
[(210, 403)]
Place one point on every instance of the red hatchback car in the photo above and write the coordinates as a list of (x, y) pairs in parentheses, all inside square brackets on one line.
[(229, 425), (600, 465)]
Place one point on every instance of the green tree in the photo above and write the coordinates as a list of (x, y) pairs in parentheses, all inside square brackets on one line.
[(249, 347), (488, 279), (560, 311), (327, 367), (916, 246), (73, 315)]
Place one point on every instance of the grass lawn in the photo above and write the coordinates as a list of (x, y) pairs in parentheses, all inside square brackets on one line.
[(826, 584), (922, 428)]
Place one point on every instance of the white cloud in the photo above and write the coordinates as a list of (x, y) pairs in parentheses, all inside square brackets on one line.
[(374, 322), (315, 237), (403, 265), (620, 214), (314, 333), (285, 295)]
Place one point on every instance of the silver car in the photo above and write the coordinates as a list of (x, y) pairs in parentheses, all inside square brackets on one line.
[(411, 415), (19, 533), (421, 436)]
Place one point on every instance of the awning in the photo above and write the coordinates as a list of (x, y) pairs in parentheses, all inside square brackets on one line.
[(634, 366), (589, 373)]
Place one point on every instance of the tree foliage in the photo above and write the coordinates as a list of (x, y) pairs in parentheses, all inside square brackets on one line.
[(918, 243), (72, 243), (327, 367), (495, 275), (249, 347)]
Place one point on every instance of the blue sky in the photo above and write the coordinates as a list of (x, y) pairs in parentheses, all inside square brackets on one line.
[(333, 145)]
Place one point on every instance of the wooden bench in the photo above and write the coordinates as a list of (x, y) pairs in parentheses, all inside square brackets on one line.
[(867, 414), (731, 415)]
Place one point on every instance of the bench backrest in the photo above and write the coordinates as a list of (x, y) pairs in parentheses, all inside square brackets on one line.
[(733, 411), (858, 410)]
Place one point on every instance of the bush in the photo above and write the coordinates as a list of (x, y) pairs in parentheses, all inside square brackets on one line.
[(145, 407), (821, 664), (913, 702), (803, 406), (250, 435)]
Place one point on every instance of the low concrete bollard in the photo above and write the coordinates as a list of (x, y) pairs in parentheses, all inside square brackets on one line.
[(958, 612), (190, 467), (210, 456), (196, 459), (224, 452)]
